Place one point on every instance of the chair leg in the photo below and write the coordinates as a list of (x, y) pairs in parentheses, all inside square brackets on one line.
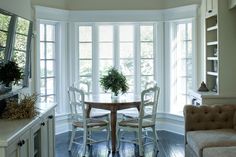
[(85, 141), (154, 135), (117, 139), (108, 138), (72, 138), (140, 142)]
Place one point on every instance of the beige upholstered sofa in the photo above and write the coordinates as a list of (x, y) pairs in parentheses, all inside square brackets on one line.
[(210, 131)]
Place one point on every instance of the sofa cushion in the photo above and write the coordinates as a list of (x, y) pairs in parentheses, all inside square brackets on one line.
[(209, 117), (198, 140), (219, 152)]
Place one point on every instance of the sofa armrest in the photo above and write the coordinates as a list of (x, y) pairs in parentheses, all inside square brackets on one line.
[(208, 117)]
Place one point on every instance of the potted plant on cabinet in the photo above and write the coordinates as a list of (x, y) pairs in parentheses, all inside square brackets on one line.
[(10, 73), (114, 81)]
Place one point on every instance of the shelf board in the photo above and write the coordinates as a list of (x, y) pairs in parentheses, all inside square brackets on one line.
[(212, 73), (212, 28), (212, 58), (212, 43)]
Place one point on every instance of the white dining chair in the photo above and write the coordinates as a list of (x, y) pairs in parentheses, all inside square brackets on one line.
[(146, 119), (95, 113), (81, 121)]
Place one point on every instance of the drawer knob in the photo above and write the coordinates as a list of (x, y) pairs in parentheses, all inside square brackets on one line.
[(42, 123), (50, 117)]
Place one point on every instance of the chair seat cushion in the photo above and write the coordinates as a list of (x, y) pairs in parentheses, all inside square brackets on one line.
[(133, 122), (91, 123), (219, 152), (198, 140)]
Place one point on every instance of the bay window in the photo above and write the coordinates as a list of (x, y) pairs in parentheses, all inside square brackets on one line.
[(128, 47)]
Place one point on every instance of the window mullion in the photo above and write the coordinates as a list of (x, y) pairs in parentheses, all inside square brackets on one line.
[(95, 60), (11, 38), (116, 46), (137, 60)]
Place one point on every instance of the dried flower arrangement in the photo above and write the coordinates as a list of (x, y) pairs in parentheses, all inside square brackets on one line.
[(20, 110)]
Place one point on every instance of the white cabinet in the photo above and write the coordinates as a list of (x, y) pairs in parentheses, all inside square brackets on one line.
[(29, 137), (20, 147), (219, 54), (211, 7), (232, 4), (48, 141)]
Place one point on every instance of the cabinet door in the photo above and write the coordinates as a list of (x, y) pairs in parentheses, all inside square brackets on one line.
[(44, 138), (48, 135), (36, 140), (12, 149), (25, 145), (21, 147), (51, 134), (211, 7)]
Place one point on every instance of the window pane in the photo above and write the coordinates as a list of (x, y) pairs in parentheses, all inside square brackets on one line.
[(50, 98), (22, 26), (127, 66), (50, 85), (50, 50), (105, 33), (42, 52), (3, 39), (42, 68), (85, 67), (50, 68), (190, 49), (21, 42), (85, 50), (146, 33), (105, 50), (126, 33), (147, 67), (20, 58), (85, 33), (144, 80), (42, 32), (130, 80), (190, 31), (4, 22), (87, 79), (42, 87), (50, 33), (126, 50), (104, 65), (42, 99), (147, 50)]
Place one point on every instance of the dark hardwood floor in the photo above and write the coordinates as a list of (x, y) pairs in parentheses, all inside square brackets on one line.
[(169, 145)]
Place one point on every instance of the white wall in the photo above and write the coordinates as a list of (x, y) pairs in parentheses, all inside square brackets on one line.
[(114, 4), (19, 7)]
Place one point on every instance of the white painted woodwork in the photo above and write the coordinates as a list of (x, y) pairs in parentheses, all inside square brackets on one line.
[(17, 137)]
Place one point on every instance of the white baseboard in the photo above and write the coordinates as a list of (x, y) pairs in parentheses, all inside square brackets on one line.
[(164, 121)]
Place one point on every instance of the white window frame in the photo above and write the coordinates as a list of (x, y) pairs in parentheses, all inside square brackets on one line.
[(137, 72), (170, 34)]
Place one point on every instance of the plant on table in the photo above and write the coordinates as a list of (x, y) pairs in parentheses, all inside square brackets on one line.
[(114, 81)]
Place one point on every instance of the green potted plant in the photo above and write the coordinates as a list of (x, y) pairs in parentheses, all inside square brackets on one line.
[(10, 73), (114, 81)]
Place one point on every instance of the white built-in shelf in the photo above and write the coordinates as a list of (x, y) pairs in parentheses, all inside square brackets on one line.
[(212, 43), (212, 28), (212, 73), (212, 58)]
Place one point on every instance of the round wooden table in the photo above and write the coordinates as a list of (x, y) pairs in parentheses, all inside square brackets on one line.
[(105, 102)]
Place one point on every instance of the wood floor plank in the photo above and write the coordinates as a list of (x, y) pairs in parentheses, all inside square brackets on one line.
[(169, 145)]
